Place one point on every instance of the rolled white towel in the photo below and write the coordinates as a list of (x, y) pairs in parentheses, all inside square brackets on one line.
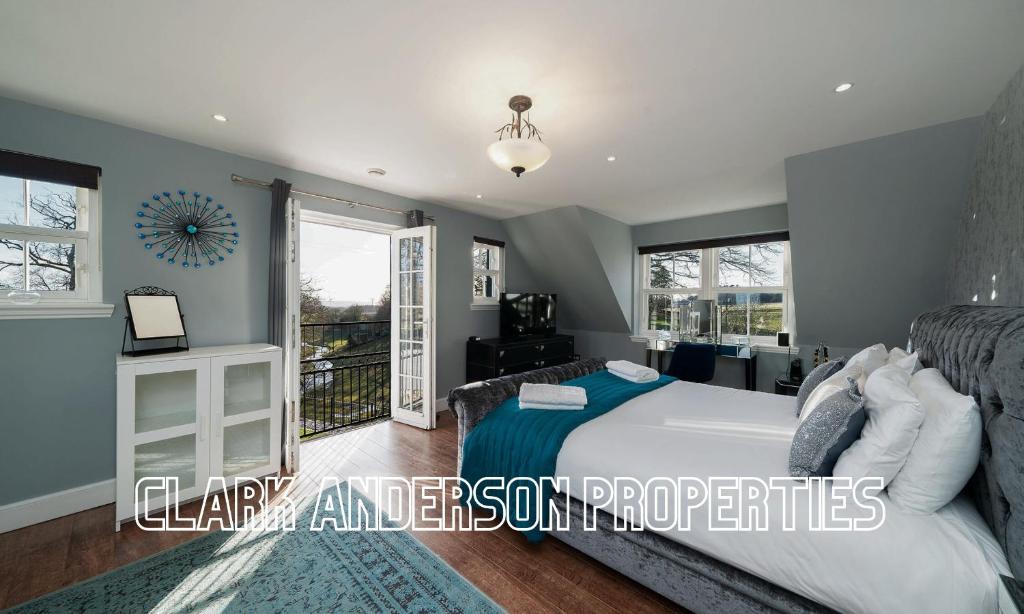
[(630, 371), (552, 394), (626, 367), (551, 406)]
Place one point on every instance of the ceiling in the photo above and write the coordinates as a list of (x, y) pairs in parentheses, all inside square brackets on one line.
[(699, 101)]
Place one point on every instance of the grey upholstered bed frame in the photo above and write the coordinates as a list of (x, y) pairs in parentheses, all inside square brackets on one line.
[(980, 350)]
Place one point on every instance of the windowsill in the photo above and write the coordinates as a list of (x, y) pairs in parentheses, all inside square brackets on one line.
[(42, 311), (483, 306), (776, 349)]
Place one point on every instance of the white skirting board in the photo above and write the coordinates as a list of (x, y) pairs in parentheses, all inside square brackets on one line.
[(54, 505)]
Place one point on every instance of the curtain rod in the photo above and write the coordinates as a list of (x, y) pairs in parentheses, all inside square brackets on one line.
[(351, 203)]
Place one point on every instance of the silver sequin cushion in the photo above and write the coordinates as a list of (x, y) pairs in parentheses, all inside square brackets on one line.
[(817, 375), (826, 432)]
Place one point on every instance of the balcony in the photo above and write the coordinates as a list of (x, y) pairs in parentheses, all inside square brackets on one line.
[(345, 375)]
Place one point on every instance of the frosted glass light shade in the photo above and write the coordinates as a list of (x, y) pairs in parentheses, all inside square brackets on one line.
[(518, 155)]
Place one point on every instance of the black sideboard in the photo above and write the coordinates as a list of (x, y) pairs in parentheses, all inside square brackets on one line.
[(487, 358)]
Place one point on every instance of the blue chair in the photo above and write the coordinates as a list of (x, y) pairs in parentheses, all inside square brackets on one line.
[(693, 362)]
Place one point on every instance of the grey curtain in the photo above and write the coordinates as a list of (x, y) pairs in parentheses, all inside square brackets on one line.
[(413, 218), (277, 328)]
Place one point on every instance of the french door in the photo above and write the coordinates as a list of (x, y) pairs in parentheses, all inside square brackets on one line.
[(412, 326), (292, 357)]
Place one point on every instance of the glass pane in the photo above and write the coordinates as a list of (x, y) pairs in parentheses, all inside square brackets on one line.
[(246, 388), (12, 265), (675, 269), (411, 289), (734, 266), (411, 323), (410, 358), (485, 286), (163, 400), (410, 254), (12, 200), (765, 313), (665, 311), (167, 459), (482, 258), (51, 266), (411, 397), (246, 446), (766, 264), (52, 205), (734, 312)]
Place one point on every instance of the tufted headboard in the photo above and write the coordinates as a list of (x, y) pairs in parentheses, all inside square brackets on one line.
[(980, 350)]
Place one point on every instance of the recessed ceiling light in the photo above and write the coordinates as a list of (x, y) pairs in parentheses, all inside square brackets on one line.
[(610, 158), (479, 195), (377, 171), (843, 87), (219, 117)]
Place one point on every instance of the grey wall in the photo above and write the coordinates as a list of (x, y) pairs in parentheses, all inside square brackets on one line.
[(612, 240), (57, 402), (991, 238), (728, 224), (559, 251), (871, 224)]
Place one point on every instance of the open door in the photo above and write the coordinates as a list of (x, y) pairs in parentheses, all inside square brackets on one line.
[(412, 326), (292, 353)]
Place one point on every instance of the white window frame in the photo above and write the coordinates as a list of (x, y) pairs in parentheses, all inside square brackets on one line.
[(86, 300), (709, 289), (498, 258)]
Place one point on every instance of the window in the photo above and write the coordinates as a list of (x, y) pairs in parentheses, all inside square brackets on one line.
[(749, 284), (49, 245), (488, 272)]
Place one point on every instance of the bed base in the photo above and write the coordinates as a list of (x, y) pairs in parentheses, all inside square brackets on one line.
[(689, 578)]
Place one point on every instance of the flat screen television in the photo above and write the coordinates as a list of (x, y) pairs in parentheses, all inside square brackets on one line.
[(526, 314)]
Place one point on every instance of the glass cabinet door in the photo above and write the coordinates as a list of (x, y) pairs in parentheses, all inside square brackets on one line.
[(246, 414)]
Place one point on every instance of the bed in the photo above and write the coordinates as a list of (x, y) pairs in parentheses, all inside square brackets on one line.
[(948, 561)]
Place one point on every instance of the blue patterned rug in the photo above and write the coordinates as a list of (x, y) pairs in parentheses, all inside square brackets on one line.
[(278, 571)]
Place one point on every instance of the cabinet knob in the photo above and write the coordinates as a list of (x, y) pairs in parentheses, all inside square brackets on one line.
[(541, 348), (501, 353)]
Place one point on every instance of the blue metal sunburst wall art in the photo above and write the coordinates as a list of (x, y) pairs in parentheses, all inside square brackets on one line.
[(187, 229)]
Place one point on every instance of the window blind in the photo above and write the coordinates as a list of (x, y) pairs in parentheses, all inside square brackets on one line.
[(39, 168), (485, 241), (764, 237)]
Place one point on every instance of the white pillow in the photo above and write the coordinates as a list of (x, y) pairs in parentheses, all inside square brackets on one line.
[(947, 449), (870, 358), (829, 386), (894, 419), (907, 362)]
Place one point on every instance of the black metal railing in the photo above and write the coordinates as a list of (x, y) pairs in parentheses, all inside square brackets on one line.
[(345, 376)]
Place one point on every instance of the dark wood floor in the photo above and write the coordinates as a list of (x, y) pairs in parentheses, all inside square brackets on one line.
[(522, 577)]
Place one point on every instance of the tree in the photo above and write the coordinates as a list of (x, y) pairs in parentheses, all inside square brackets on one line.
[(384, 304), (51, 264), (352, 313), (311, 308)]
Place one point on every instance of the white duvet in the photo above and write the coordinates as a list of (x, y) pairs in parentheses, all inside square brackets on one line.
[(943, 562)]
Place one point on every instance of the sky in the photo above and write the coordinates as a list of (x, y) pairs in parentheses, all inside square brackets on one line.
[(347, 265)]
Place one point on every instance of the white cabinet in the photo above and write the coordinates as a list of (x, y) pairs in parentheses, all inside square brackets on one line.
[(207, 412)]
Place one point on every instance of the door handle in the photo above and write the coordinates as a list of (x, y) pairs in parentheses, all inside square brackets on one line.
[(202, 429)]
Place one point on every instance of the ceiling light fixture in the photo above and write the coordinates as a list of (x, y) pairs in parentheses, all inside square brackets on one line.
[(843, 87), (219, 117), (379, 172), (519, 148), (610, 158)]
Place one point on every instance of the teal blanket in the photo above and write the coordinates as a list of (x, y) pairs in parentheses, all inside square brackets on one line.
[(512, 442)]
